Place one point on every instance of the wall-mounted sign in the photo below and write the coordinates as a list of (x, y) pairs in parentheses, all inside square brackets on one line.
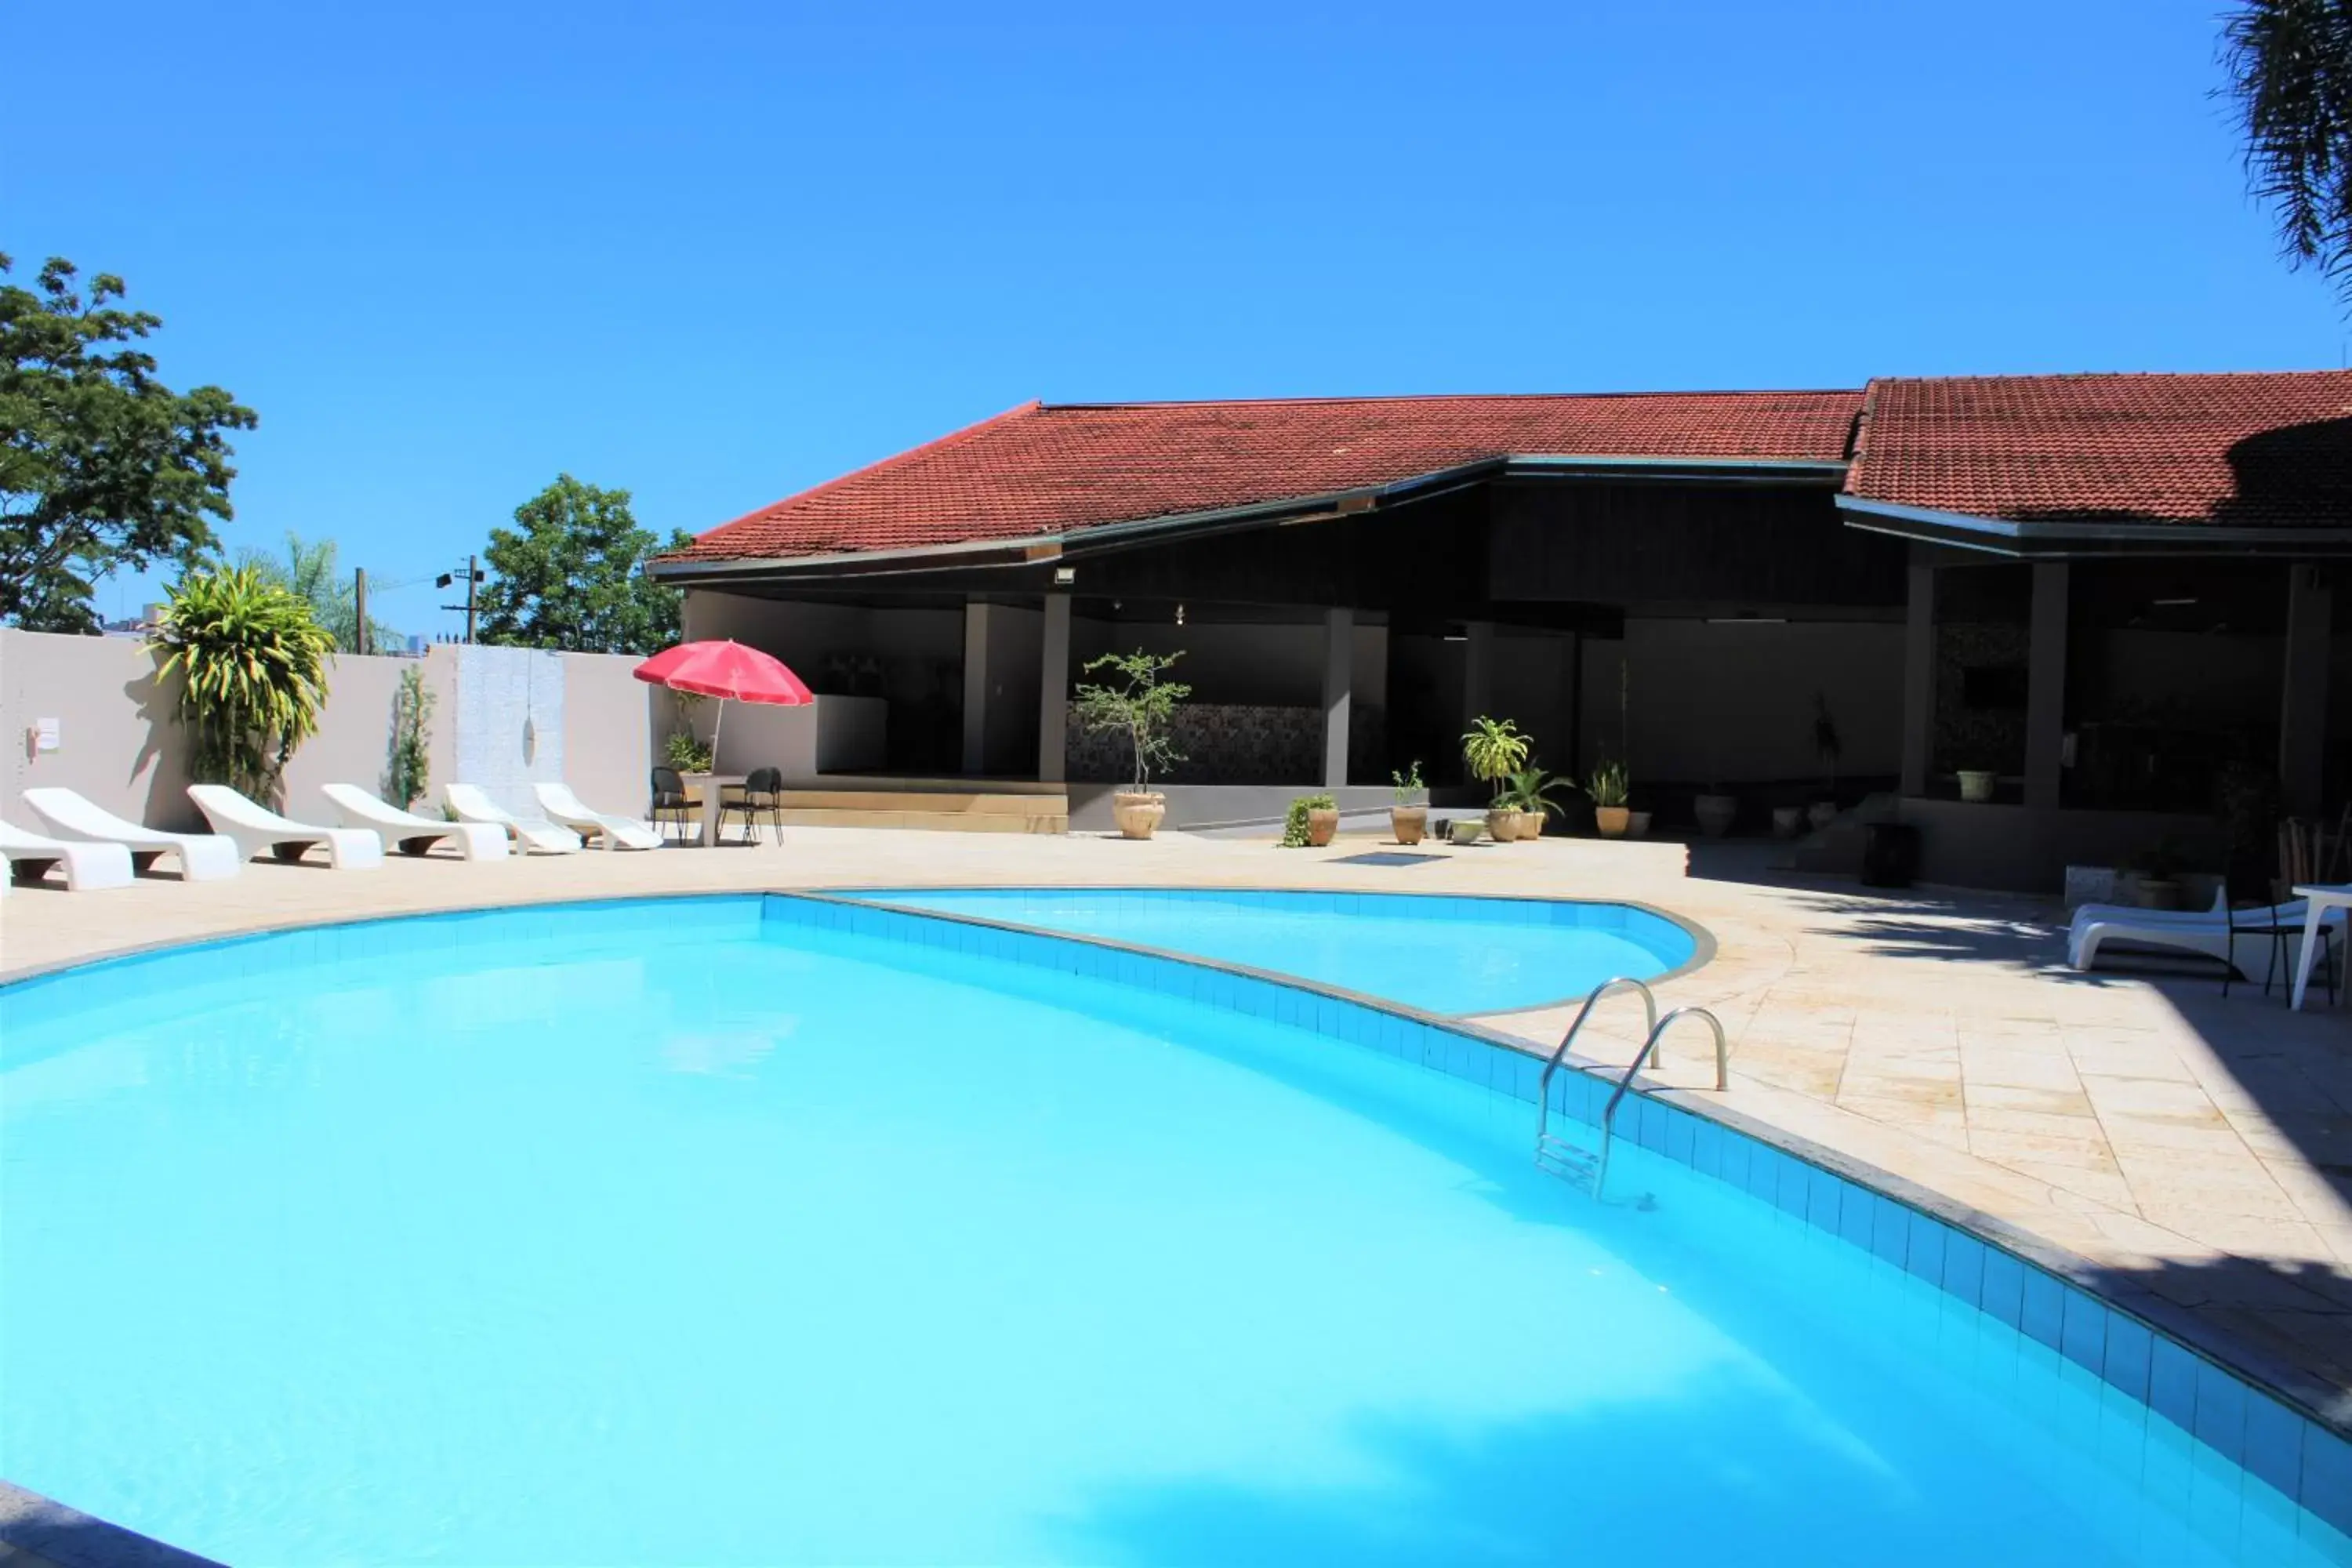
[(44, 736)]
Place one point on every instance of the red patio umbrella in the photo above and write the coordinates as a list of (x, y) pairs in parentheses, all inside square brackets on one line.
[(725, 670)]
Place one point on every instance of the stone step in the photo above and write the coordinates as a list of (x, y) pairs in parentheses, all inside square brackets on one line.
[(931, 803), (913, 811)]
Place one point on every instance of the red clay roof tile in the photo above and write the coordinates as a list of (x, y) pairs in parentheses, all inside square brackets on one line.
[(1048, 470), (2248, 449)]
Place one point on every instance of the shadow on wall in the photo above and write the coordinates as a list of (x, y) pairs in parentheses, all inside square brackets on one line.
[(162, 753)]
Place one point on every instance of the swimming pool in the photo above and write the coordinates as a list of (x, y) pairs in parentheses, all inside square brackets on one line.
[(1436, 952), (735, 1230)]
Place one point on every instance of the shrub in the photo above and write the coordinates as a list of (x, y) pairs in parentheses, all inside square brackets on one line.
[(1294, 822), (252, 662)]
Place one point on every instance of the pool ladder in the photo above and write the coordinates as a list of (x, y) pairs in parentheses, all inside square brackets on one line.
[(1589, 1168)]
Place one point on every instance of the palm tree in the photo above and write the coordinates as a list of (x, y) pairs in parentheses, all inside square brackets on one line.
[(2290, 67), (308, 572)]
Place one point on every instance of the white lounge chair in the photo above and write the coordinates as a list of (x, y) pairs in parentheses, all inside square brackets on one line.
[(259, 830), (608, 831), (203, 856), (87, 866), (2206, 932), (529, 832), (407, 832)]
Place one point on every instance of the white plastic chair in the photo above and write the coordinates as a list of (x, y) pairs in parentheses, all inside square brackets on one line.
[(529, 832), (257, 830), (610, 832), (88, 866), (203, 856), (407, 831)]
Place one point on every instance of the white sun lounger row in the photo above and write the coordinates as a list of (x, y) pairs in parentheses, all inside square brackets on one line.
[(100, 850), (2203, 931)]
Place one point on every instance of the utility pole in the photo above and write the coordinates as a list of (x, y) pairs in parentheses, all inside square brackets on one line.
[(473, 576), (358, 610)]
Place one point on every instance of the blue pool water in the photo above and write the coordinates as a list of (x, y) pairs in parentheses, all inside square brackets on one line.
[(665, 1235), (1444, 955)]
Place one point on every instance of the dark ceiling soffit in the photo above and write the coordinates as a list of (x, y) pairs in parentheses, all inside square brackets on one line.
[(2026, 541), (1033, 549)]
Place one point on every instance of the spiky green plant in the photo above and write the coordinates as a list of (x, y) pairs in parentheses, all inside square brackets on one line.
[(252, 661), (1493, 750)]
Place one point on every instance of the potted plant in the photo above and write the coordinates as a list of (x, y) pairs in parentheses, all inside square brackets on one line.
[(1829, 746), (1607, 787), (1493, 750), (1530, 795), (1142, 706), (1464, 830), (1310, 823), (1714, 811), (686, 754), (1409, 817), (2158, 884)]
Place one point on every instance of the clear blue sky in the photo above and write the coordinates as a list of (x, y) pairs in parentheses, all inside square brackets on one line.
[(717, 253)]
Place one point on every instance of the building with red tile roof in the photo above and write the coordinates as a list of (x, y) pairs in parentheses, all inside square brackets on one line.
[(2082, 599)]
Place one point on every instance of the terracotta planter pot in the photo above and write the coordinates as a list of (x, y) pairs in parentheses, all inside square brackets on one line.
[(1407, 824), (1502, 826), (1716, 813), (1612, 820), (1637, 824), (1322, 825), (1138, 815), (1531, 825)]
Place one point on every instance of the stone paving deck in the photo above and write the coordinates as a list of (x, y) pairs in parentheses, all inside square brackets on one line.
[(2192, 1147)]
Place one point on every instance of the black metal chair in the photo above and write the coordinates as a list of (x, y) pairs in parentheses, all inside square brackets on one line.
[(671, 803), (2261, 922), (761, 794)]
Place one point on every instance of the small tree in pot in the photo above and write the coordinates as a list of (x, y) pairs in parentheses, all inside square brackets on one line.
[(1493, 750), (1140, 706)]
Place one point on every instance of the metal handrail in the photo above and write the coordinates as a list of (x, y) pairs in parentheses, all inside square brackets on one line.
[(1649, 1049), (1543, 1084)]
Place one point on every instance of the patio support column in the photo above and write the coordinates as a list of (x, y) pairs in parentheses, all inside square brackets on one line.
[(1477, 669), (975, 686), (1918, 675), (1338, 685), (1053, 688), (2045, 685), (2302, 706)]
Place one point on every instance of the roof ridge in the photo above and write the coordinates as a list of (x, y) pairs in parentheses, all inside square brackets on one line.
[(1453, 398), (895, 461), (2174, 376)]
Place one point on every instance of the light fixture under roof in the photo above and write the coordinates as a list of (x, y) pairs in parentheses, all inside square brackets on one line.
[(2174, 604)]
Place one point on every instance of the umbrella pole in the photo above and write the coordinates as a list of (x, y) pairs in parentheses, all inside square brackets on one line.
[(715, 725)]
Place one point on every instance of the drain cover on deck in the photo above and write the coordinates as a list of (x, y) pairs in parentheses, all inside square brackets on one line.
[(1384, 858)]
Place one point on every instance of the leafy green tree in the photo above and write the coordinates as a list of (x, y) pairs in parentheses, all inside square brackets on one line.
[(571, 576), (252, 663), (311, 574), (102, 467), (2290, 69)]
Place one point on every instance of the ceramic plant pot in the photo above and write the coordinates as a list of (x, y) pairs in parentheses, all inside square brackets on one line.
[(1407, 824), (1612, 820), (1715, 812), (1137, 814), (1502, 825), (1637, 825), (1465, 829), (1976, 785), (1322, 825)]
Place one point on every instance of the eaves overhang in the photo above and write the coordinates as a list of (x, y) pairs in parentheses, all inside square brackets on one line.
[(2067, 539), (1286, 511)]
